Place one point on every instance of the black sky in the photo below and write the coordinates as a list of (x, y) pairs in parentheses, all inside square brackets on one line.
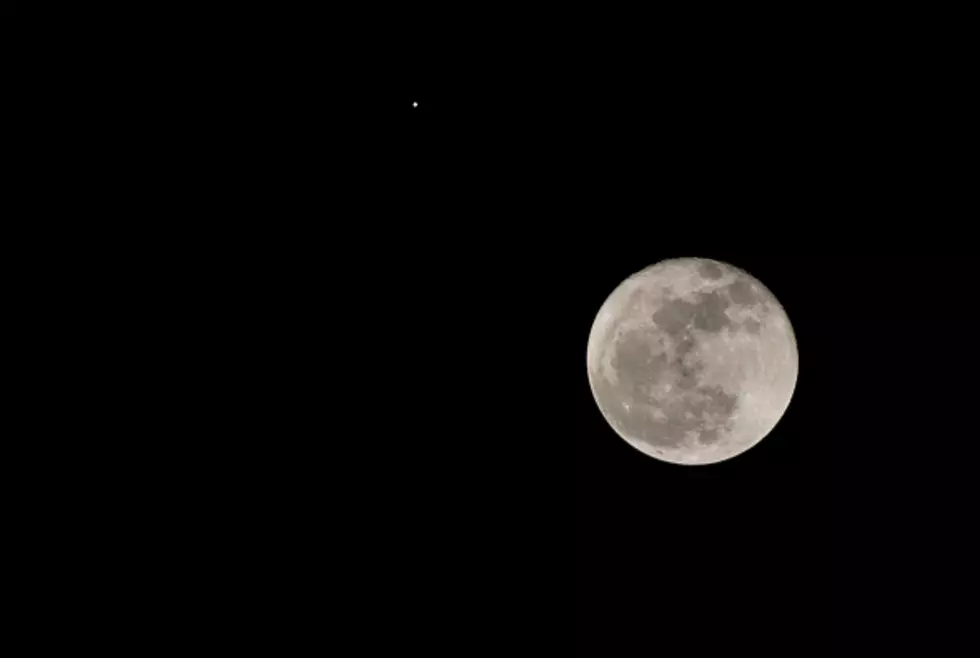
[(333, 346), (549, 190)]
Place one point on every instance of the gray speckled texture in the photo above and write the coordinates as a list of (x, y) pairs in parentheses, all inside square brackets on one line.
[(692, 360)]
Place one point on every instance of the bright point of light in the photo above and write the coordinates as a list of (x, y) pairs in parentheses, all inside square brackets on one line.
[(415, 104)]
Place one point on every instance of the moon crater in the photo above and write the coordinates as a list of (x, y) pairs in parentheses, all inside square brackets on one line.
[(692, 361)]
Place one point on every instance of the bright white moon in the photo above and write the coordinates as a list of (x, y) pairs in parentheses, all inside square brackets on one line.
[(692, 361), (415, 104)]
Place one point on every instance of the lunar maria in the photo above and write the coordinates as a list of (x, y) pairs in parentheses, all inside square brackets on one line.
[(692, 361)]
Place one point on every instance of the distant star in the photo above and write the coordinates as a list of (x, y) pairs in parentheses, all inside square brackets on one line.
[(415, 104)]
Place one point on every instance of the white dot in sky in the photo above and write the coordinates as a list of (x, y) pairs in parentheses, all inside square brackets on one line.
[(415, 104)]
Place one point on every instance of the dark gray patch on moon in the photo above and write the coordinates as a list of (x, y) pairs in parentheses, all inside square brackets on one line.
[(708, 436), (751, 325), (644, 359), (636, 363), (634, 300), (720, 403), (674, 316), (741, 292), (700, 411), (710, 271), (683, 346), (688, 373), (668, 431), (706, 312), (685, 363), (634, 418), (691, 406), (710, 314)]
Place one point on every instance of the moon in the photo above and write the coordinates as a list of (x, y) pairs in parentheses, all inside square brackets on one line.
[(692, 361)]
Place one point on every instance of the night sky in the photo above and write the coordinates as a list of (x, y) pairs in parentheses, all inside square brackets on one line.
[(335, 344), (551, 181)]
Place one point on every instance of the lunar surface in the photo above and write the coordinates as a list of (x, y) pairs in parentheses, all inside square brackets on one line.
[(692, 361)]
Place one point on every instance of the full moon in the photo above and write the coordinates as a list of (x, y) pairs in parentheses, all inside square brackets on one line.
[(692, 361)]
